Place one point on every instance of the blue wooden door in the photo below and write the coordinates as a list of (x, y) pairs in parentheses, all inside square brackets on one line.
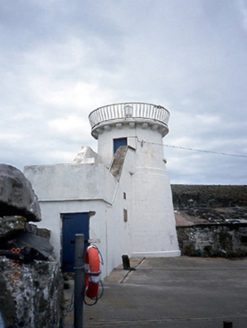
[(119, 142), (73, 223)]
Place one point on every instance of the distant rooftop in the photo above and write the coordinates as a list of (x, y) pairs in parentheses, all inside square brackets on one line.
[(131, 112)]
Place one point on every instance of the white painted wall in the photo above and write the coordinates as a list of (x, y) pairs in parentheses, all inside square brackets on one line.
[(135, 134), (153, 229), (71, 182), (78, 188), (119, 238), (51, 219)]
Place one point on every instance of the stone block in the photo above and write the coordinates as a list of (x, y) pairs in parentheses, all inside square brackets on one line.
[(11, 226), (31, 294), (16, 195)]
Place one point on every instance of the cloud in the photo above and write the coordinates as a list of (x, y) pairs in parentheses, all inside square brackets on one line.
[(70, 127), (242, 5), (60, 60)]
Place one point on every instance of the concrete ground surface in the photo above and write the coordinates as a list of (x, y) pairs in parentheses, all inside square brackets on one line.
[(172, 293)]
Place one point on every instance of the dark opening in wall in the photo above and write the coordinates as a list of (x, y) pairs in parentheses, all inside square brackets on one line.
[(243, 239), (125, 215), (119, 142)]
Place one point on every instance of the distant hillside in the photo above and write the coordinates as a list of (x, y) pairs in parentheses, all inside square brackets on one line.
[(189, 196)]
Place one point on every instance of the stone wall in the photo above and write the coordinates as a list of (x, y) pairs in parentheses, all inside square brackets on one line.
[(29, 277), (213, 240), (31, 294), (211, 219)]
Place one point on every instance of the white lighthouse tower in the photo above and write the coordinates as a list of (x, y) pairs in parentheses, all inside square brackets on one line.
[(141, 127)]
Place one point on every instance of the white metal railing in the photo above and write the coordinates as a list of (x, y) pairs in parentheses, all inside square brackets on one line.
[(127, 110)]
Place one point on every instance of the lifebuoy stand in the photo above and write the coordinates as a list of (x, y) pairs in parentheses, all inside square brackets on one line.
[(79, 281)]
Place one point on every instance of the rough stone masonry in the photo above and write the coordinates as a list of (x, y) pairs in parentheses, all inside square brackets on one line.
[(211, 219), (30, 281)]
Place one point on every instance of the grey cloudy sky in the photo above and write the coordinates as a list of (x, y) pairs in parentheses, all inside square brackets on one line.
[(62, 59)]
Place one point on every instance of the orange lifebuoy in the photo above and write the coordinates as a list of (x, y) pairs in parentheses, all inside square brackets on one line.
[(92, 269)]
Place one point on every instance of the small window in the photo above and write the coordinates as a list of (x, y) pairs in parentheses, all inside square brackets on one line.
[(119, 142), (125, 215), (124, 195)]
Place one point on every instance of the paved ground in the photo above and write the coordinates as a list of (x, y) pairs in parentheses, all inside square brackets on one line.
[(180, 292)]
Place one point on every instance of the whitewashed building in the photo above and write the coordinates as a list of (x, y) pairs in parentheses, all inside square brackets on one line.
[(119, 197)]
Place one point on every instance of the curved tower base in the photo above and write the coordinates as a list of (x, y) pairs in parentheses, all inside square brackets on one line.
[(174, 253)]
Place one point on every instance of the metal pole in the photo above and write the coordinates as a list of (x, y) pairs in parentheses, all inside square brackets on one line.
[(79, 281)]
